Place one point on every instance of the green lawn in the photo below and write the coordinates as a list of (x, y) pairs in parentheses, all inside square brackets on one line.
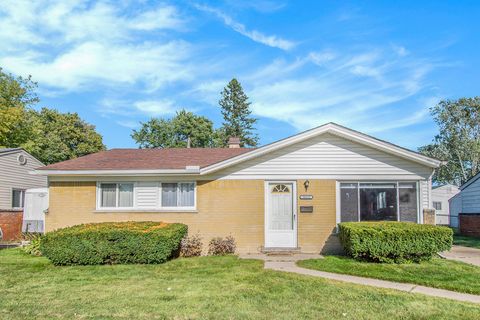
[(466, 241), (198, 288), (438, 273)]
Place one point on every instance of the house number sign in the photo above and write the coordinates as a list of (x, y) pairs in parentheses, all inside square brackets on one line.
[(306, 197)]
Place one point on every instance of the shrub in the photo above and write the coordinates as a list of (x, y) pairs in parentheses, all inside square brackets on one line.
[(113, 243), (396, 242), (33, 247), (219, 246), (191, 246)]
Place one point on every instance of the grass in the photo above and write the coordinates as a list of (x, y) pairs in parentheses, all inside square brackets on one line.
[(437, 273), (466, 241), (198, 288)]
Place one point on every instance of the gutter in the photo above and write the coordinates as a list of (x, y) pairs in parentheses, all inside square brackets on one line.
[(189, 170)]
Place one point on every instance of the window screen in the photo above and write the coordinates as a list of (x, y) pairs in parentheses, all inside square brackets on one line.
[(18, 197), (378, 201), (349, 202), (125, 194), (407, 196), (169, 194), (108, 194), (186, 194)]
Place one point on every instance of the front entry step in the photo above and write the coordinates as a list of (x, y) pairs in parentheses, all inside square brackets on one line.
[(281, 251)]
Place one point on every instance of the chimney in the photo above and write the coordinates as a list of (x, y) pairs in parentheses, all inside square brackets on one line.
[(234, 142)]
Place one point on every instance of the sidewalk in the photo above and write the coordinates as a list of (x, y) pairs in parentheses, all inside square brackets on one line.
[(288, 264), (463, 254)]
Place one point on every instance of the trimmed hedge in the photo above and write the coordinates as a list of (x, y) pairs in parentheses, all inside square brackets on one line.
[(394, 242), (113, 243)]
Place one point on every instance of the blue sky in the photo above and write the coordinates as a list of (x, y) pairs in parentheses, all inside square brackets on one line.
[(374, 66)]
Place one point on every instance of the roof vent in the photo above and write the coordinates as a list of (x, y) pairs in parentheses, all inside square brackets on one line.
[(22, 160), (234, 142)]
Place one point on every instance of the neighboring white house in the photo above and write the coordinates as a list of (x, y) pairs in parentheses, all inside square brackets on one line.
[(15, 178), (440, 197), (455, 206)]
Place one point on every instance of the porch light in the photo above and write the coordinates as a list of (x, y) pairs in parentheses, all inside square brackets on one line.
[(306, 184)]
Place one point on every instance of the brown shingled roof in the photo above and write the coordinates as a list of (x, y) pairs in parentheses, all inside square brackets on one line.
[(148, 159)]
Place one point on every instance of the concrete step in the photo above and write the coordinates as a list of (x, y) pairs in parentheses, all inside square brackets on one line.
[(281, 251)]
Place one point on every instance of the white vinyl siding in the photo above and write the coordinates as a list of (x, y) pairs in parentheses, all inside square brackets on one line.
[(146, 195), (16, 176), (425, 194), (329, 157)]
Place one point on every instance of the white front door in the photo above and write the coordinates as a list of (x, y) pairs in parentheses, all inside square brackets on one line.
[(280, 215)]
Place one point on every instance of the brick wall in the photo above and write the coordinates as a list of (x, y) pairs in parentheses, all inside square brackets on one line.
[(11, 224), (469, 224), (428, 216), (225, 207)]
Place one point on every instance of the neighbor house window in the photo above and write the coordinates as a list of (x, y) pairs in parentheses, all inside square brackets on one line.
[(437, 205), (18, 198), (375, 201), (180, 194), (116, 195)]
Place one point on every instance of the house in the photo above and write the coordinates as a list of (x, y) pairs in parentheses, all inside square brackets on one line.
[(440, 199), (16, 166), (466, 206), (290, 194)]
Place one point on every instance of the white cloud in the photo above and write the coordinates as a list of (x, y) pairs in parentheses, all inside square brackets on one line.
[(96, 64), (75, 45), (352, 89), (156, 107), (129, 124), (257, 36)]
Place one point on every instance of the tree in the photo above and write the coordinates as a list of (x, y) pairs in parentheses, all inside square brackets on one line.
[(48, 135), (458, 141), (236, 112), (17, 94), (56, 136), (176, 132)]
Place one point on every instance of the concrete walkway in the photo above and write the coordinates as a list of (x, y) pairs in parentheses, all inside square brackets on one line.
[(288, 264), (463, 254)]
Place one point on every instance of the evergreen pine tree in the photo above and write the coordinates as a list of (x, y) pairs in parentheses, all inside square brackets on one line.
[(236, 112)]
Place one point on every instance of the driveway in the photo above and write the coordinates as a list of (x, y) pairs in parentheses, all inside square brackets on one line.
[(463, 254)]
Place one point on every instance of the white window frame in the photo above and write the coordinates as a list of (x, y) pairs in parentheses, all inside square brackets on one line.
[(358, 182), (22, 197), (433, 204), (116, 183), (178, 198), (136, 207)]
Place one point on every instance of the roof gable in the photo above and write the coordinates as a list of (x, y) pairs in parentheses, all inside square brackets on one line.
[(209, 160), (333, 129), (470, 181)]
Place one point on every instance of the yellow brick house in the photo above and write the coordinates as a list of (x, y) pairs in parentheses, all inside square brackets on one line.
[(290, 194)]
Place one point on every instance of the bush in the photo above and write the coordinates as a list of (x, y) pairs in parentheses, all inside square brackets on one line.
[(394, 242), (219, 246), (33, 247), (113, 243), (191, 246)]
